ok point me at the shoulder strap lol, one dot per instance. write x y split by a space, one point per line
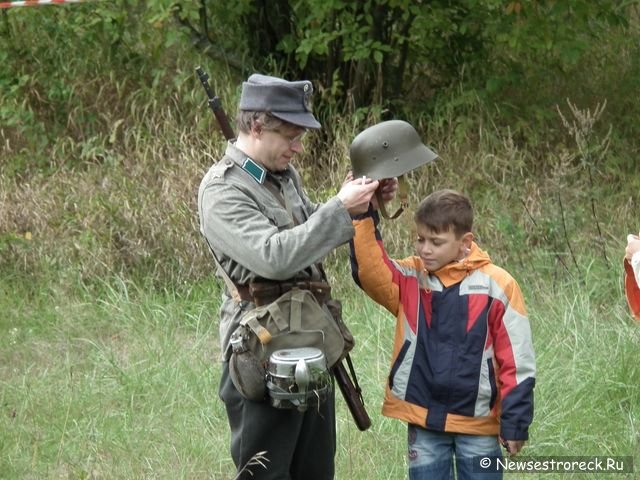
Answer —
233 290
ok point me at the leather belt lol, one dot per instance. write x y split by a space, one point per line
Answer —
243 292
263 293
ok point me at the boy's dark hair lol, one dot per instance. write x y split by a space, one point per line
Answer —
444 210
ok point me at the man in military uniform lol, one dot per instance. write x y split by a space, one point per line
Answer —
261 225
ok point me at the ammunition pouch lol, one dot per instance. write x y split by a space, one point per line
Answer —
287 316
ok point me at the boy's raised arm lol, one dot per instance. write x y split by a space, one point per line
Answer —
371 268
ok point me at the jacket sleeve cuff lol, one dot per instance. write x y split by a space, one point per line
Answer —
370 213
514 433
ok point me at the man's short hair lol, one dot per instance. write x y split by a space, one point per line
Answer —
247 119
445 210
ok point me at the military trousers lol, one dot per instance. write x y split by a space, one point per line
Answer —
298 445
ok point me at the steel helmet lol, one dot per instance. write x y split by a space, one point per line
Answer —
388 149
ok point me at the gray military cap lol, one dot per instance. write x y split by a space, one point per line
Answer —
288 101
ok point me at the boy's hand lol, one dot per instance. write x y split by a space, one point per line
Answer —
388 188
513 447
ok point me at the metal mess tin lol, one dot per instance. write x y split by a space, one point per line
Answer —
298 378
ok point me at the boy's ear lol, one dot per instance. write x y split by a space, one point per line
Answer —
467 239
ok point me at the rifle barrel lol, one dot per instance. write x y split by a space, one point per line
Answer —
352 397
216 105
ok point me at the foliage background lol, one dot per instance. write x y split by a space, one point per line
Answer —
107 302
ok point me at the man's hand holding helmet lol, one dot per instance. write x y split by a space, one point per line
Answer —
356 195
386 152
387 187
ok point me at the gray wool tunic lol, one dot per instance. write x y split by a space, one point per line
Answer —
254 236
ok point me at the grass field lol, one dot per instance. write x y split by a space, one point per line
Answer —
120 382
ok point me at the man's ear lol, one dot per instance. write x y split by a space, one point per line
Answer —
256 129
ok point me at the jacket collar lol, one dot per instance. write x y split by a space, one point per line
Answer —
455 272
249 165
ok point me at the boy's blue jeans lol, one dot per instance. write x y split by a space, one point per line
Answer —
432 455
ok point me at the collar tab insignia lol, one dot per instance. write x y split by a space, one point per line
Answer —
257 172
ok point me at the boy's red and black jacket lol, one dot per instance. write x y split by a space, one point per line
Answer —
463 358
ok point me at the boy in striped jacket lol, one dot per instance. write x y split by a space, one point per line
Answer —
463 365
